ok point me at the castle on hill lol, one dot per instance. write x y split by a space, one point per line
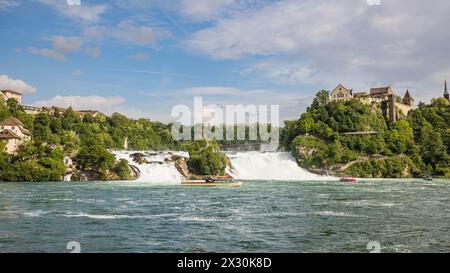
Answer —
393 106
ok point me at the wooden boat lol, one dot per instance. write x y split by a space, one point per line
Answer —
203 183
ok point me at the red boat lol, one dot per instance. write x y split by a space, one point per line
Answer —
349 180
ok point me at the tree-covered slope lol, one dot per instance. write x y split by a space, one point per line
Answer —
414 146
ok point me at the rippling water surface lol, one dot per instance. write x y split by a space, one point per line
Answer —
403 216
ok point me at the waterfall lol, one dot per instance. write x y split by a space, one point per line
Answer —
160 166
268 166
156 166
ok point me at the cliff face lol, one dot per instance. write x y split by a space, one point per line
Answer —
307 158
307 150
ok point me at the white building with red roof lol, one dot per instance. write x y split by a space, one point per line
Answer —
13 133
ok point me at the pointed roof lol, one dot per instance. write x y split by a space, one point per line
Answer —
408 96
343 88
11 91
8 134
11 121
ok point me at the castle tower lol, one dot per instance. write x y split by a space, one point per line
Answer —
446 94
392 112
408 99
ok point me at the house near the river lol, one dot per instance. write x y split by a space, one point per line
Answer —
13 133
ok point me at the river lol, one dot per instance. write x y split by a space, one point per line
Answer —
260 216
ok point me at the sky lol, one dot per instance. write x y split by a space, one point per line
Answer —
143 57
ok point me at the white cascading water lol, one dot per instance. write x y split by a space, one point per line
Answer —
157 169
268 166
245 165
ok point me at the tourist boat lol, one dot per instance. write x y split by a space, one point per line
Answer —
428 178
205 183
349 179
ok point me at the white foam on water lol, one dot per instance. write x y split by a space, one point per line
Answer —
196 219
279 166
333 214
268 166
36 213
114 216
157 170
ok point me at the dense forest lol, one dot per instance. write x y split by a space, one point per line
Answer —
88 140
414 146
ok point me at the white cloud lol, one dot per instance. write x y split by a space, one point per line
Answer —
61 45
8 4
202 11
46 52
283 27
327 42
83 102
282 73
16 85
139 57
66 43
94 52
139 35
129 33
83 12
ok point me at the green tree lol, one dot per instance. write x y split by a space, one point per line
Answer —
205 158
95 157
321 99
41 131
433 150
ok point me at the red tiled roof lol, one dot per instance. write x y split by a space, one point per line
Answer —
11 121
8 134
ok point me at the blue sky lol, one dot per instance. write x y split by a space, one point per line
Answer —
142 57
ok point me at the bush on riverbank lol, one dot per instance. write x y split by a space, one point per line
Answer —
33 162
395 167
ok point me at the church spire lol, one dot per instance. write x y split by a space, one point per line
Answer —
446 94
